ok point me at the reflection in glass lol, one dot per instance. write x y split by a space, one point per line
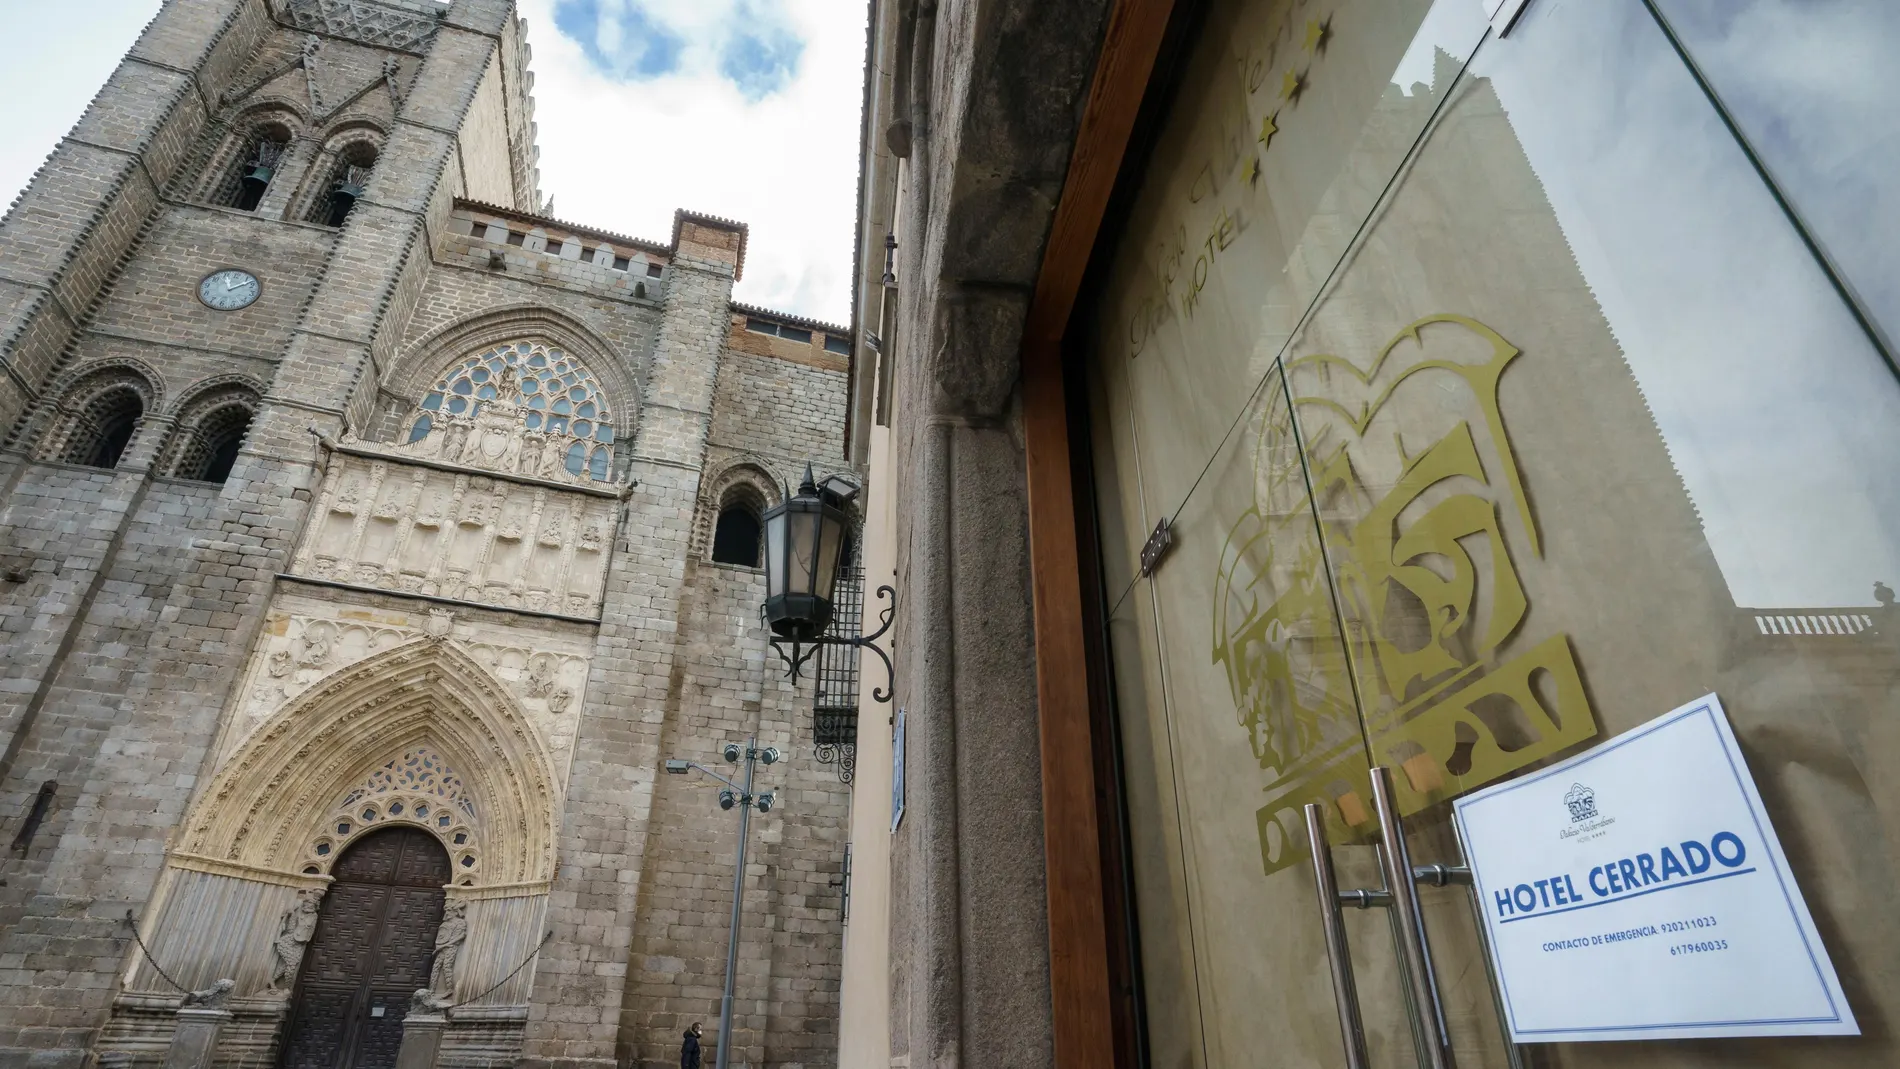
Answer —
1770 397
1509 412
1811 84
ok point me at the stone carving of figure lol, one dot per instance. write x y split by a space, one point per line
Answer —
557 701
299 924
425 1001
540 676
453 435
551 457
510 453
211 998
281 664
448 946
472 446
316 645
508 385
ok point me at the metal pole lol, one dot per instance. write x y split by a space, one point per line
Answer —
1414 956
1338 953
738 897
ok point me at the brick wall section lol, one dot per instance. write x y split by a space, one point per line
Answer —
632 687
775 407
730 686
118 618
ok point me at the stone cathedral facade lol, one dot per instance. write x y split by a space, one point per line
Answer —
367 542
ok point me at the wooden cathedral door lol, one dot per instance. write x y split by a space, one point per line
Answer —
371 951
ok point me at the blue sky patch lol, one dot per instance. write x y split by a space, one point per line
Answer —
759 56
621 38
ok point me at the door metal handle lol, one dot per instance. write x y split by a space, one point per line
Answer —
1338 955
1414 956
1400 895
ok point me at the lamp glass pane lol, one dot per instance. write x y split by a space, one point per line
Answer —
804 533
828 553
775 554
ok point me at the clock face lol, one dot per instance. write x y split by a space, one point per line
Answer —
228 289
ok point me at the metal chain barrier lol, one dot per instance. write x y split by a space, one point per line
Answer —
511 975
132 924
147 951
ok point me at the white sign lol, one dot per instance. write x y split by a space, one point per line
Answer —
1638 891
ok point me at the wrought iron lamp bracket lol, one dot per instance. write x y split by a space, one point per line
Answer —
802 651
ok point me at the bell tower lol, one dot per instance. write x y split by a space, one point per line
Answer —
203 280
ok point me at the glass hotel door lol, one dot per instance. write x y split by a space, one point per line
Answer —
1503 394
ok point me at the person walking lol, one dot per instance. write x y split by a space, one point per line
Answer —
689 1048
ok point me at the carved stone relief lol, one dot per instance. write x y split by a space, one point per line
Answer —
448 530
416 787
496 437
307 640
364 20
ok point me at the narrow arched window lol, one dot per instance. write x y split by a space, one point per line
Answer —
348 178
251 172
210 431
736 534
104 427
212 446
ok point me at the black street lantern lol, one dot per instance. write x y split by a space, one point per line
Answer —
803 538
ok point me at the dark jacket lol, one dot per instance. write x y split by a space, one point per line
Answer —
689 1052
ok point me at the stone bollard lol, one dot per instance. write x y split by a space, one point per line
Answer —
201 1017
421 1040
195 1040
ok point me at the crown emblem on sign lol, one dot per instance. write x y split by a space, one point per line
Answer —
1582 803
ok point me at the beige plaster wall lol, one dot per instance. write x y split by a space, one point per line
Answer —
864 1014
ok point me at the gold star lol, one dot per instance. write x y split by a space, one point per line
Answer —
1317 34
1251 170
1292 86
1267 129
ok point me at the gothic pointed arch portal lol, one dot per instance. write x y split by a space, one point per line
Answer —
419 735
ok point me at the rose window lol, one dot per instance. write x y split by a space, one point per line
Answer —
557 395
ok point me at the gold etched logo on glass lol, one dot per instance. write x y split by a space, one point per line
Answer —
1409 490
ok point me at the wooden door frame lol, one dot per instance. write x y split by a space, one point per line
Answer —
1084 1019
352 1029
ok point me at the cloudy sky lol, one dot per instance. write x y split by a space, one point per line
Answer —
746 109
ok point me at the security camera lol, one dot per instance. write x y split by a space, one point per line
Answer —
765 802
732 753
770 756
727 800
679 768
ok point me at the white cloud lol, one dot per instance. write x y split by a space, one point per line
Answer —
620 155
624 154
